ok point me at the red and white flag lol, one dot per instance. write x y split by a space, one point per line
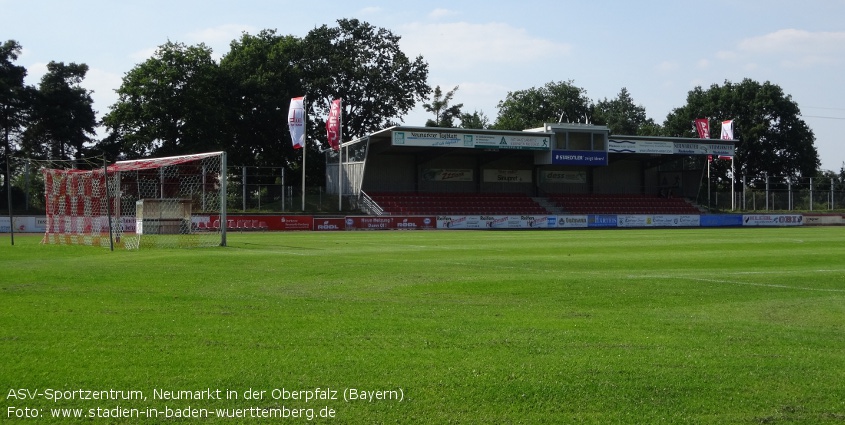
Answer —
333 127
727 130
702 126
296 121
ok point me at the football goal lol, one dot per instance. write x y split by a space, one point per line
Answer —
177 201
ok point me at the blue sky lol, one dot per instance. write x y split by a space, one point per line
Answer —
658 50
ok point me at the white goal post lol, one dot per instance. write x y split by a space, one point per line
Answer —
177 201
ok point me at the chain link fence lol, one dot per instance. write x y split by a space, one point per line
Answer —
769 194
269 190
250 190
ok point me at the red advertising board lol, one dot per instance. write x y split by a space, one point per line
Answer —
391 222
324 224
267 222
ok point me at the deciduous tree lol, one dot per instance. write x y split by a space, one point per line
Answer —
773 139
621 115
554 102
169 104
364 66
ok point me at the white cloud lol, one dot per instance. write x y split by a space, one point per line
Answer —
372 10
666 67
462 45
34 72
726 55
143 55
219 37
441 13
796 48
219 34
103 84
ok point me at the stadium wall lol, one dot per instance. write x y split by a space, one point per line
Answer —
37 224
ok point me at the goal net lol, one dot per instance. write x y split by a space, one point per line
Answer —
177 201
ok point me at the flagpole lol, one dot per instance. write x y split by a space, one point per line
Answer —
708 181
340 158
733 183
304 144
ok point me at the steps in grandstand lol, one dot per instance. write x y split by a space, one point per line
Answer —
549 206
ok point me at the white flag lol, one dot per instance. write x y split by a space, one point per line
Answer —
296 121
727 130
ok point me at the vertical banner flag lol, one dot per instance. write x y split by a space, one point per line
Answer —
333 128
702 126
296 121
727 130
727 134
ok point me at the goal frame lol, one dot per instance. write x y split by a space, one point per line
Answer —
99 207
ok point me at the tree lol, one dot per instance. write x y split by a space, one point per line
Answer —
14 101
168 105
63 120
621 115
444 114
773 139
477 119
262 73
364 66
554 102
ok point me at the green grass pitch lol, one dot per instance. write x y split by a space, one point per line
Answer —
705 326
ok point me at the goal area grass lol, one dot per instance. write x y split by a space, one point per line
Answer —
711 326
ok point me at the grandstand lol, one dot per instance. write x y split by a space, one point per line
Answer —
555 169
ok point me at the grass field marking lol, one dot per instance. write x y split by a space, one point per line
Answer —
734 282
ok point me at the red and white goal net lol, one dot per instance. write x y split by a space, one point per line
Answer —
163 202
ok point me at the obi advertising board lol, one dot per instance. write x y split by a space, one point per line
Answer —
773 220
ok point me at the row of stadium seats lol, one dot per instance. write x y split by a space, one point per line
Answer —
622 204
408 203
405 203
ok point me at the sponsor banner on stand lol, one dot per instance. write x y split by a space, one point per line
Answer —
823 219
510 142
447 139
587 158
447 175
552 176
568 222
641 146
672 220
493 222
25 224
324 224
390 223
717 149
721 220
507 176
465 221
599 220
263 222
631 220
773 220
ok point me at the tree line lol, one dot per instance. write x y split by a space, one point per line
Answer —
181 101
